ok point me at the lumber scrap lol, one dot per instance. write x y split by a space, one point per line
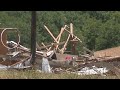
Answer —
52 36
44 46
49 48
61 31
63 49
73 35
59 37
21 61
40 53
50 33
37 46
71 29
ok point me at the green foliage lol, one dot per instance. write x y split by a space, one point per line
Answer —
97 29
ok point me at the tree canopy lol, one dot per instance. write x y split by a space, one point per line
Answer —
97 29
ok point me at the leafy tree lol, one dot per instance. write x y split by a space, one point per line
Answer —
97 29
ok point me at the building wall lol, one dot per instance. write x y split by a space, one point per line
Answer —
3 50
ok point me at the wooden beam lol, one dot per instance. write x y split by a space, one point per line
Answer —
21 61
50 33
49 48
62 30
71 29
37 46
63 49
59 37
44 46
73 35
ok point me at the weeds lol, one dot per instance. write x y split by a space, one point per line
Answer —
32 74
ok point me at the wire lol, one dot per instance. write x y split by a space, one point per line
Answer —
7 46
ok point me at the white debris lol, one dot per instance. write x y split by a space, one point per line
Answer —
21 67
94 70
12 42
45 65
3 67
18 66
14 54
49 53
39 71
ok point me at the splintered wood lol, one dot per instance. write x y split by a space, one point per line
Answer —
71 37
56 53
64 47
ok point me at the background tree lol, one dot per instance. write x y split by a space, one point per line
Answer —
97 29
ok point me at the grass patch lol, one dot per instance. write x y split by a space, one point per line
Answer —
32 74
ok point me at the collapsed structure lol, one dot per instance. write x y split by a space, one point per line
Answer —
15 56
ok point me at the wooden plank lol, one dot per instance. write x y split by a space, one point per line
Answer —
63 49
21 61
73 35
59 37
71 29
50 33
44 46
62 30
50 46
37 46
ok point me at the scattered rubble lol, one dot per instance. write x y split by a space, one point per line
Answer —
52 58
93 70
45 65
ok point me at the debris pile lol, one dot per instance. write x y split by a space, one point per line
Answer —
93 70
53 58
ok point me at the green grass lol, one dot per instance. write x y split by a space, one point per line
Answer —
32 74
